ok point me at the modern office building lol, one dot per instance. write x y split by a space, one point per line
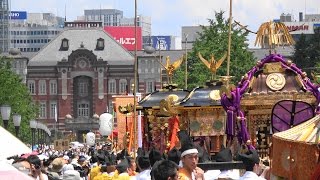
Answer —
108 17
114 17
304 25
142 21
4 25
31 34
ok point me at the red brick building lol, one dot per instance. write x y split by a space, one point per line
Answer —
74 77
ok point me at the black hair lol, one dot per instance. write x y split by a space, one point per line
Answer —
143 162
164 169
35 160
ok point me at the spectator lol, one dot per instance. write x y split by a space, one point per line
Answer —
165 170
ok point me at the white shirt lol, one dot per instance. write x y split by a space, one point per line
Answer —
231 174
144 175
251 175
211 174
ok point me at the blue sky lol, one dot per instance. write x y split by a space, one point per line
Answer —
168 16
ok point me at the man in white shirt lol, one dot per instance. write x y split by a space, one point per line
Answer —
251 161
145 169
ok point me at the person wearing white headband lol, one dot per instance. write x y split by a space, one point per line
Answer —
189 159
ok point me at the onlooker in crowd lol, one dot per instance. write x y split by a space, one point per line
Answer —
165 170
35 168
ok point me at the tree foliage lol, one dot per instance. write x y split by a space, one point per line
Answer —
307 51
214 40
14 93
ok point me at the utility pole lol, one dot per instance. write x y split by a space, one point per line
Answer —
135 83
186 62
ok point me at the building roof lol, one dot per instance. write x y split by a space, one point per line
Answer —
203 96
153 99
113 52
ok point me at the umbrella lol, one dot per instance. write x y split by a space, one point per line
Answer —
7 171
10 145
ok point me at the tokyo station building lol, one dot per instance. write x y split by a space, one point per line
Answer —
74 77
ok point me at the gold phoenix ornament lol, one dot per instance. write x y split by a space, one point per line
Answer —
170 68
212 65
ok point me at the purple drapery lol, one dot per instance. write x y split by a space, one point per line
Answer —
232 105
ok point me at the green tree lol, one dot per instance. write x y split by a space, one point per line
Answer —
214 40
300 54
16 94
307 51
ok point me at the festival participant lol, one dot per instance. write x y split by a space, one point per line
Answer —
174 155
145 168
104 175
122 171
251 161
189 159
132 166
225 155
95 171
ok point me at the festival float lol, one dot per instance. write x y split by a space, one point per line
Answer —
201 112
160 118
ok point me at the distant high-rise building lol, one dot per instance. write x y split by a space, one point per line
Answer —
142 21
4 25
114 17
31 34
109 17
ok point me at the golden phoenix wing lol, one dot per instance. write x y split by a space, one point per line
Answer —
177 63
205 62
218 64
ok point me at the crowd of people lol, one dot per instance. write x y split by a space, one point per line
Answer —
101 162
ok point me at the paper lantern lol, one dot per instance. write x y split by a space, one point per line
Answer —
106 124
90 138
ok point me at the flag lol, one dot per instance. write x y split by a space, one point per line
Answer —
139 130
55 113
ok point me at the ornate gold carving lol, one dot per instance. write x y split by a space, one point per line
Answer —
170 68
167 106
227 87
273 34
215 95
272 68
275 81
126 109
212 65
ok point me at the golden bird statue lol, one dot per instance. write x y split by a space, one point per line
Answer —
212 65
170 68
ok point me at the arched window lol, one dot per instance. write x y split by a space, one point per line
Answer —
122 86
100 44
64 44
112 86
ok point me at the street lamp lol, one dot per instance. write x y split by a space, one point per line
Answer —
33 126
16 121
5 114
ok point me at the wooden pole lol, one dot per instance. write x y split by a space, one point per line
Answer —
135 82
229 40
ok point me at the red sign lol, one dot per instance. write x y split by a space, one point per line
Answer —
125 36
